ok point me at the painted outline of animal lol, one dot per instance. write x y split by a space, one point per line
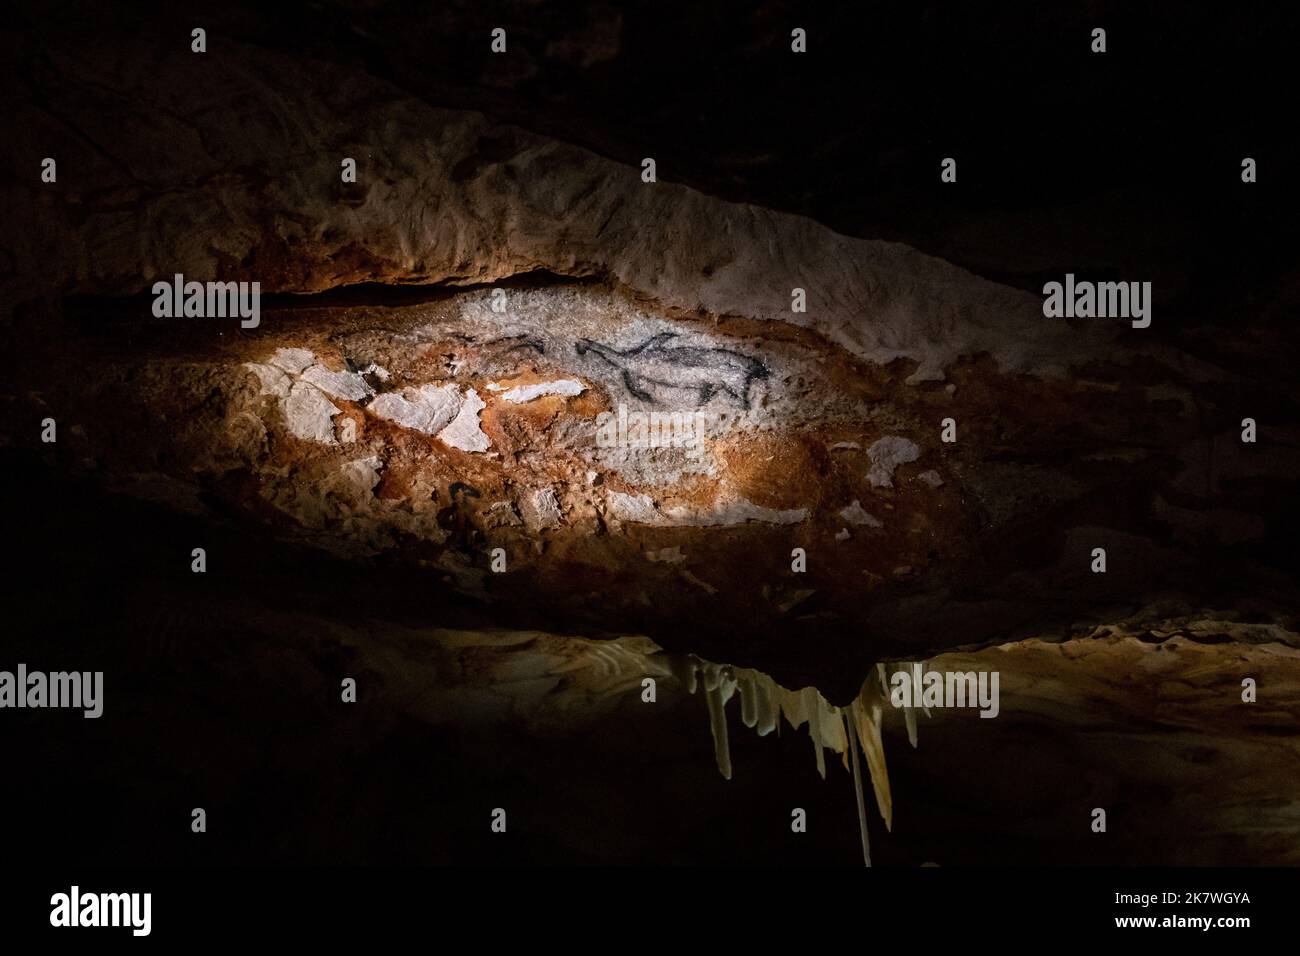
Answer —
705 371
521 342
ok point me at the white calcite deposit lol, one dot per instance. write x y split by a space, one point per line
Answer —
886 455
439 410
465 432
856 514
348 386
725 512
308 414
541 509
527 393
304 387
428 408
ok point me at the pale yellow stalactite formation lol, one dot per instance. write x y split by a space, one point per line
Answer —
718 724
762 699
909 713
857 792
867 711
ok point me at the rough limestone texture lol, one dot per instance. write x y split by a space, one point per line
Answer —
1155 713
660 386
541 510
392 434
442 197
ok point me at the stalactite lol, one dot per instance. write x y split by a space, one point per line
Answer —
909 718
767 706
748 698
909 713
813 708
791 706
845 730
852 733
718 725
867 711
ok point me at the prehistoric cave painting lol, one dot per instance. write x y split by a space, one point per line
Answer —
654 365
515 343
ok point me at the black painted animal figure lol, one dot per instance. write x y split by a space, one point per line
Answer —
657 364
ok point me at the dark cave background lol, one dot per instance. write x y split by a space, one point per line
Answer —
1125 164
